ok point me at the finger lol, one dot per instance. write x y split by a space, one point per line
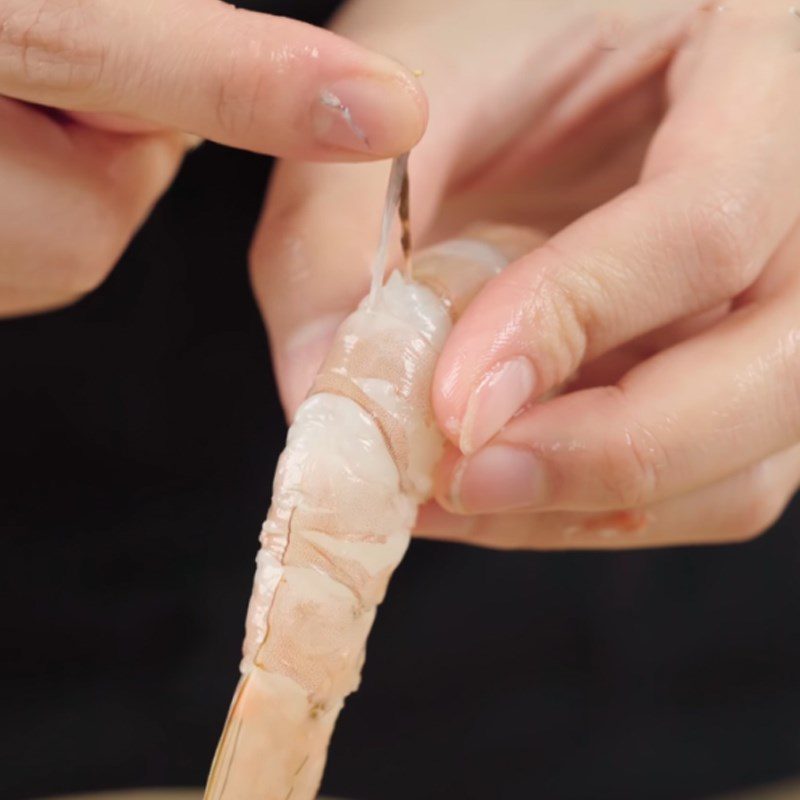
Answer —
311 255
311 267
242 78
70 200
713 205
735 509
685 418
115 123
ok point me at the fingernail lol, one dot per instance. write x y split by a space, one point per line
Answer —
379 116
498 478
501 394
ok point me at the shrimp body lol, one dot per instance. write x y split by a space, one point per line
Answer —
358 462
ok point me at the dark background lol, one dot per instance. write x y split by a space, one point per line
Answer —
138 433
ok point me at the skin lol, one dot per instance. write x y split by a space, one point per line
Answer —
99 101
653 395
634 381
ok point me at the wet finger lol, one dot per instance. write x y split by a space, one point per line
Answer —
689 416
735 509
713 205
311 258
251 80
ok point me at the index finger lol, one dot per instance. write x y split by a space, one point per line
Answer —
242 78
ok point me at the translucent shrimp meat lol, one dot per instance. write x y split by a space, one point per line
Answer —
358 461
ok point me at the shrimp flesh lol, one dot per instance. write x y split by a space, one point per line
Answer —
358 461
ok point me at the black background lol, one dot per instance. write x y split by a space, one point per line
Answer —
139 431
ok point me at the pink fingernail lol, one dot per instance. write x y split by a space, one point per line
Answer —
334 123
367 115
504 391
498 478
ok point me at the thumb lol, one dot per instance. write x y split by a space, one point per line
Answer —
242 78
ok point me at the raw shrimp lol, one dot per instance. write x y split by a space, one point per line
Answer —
358 461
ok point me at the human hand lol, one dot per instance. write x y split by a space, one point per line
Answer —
100 100
659 143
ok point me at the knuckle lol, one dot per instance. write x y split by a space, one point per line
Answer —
632 461
557 308
82 277
80 272
277 243
64 276
285 216
85 258
48 42
721 231
239 92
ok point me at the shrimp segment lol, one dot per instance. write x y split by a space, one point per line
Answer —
358 461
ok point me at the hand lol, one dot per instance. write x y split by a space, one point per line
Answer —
98 99
659 145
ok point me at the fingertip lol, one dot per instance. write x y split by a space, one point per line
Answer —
500 477
279 86
499 395
378 114
484 375
482 381
466 370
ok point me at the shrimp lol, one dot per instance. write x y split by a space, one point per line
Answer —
358 461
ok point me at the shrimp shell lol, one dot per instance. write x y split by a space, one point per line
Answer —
358 462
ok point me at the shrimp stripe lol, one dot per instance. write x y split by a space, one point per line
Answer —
358 461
